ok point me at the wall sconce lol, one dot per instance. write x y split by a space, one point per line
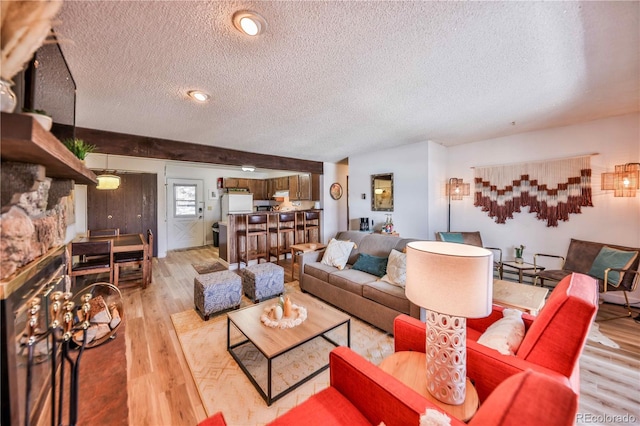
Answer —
624 181
456 189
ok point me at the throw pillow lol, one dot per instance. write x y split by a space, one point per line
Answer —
433 417
396 269
337 253
452 237
612 258
373 265
506 334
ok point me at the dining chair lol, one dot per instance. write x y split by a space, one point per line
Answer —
94 257
107 232
138 264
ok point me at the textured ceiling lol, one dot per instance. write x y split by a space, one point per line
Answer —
329 79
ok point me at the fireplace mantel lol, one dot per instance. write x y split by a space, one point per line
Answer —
25 141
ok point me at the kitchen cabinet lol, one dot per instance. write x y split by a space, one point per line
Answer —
231 182
132 207
300 187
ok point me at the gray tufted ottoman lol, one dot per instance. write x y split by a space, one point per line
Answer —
216 292
262 281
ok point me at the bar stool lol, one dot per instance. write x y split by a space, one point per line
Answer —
286 224
310 221
255 226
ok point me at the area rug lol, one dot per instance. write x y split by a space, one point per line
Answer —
224 387
208 267
595 335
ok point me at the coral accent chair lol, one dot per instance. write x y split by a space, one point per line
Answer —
552 343
362 394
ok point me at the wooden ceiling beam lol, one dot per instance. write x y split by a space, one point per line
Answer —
164 149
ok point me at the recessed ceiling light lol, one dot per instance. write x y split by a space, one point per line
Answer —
248 168
198 95
249 23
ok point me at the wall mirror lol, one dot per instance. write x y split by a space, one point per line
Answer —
382 192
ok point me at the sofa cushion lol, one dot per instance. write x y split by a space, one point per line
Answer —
396 269
350 280
337 253
356 237
615 259
378 244
387 294
373 265
319 270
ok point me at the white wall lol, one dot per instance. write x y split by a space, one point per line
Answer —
335 211
611 220
410 166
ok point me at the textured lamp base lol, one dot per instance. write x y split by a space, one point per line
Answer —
446 357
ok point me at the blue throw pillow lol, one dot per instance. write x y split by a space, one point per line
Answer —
373 265
452 237
612 258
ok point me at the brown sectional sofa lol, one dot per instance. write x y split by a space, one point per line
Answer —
356 292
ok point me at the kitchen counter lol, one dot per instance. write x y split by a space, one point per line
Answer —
236 223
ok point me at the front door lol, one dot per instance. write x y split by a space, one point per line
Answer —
185 214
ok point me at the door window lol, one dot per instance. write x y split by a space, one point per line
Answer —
184 197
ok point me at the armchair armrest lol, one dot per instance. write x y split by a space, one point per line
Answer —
535 260
487 368
634 283
377 395
409 334
497 262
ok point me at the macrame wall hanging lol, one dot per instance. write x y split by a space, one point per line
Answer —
551 189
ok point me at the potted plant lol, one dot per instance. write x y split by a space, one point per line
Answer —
519 251
41 116
79 147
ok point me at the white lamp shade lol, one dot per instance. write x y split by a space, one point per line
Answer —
108 182
450 278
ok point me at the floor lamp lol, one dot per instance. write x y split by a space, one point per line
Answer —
456 189
452 282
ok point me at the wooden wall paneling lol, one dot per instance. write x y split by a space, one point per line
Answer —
315 187
150 207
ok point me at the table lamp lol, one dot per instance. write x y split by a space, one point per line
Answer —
452 282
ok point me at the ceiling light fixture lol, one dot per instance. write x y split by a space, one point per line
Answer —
198 95
106 180
248 168
249 23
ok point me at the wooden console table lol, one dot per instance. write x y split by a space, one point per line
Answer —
410 368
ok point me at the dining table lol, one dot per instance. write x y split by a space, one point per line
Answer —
124 243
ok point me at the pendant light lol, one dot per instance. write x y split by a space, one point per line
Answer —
108 181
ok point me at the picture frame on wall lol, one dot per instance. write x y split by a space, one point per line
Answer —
335 191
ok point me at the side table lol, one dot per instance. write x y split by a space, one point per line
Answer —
303 248
521 267
410 368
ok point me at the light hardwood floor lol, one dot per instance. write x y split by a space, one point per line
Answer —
162 392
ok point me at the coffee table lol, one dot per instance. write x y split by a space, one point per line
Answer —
274 343
526 297
411 369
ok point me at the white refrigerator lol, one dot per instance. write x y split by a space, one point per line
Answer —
236 203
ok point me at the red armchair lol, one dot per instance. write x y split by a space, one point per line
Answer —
362 394
552 343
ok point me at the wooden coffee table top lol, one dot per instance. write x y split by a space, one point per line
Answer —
274 341
411 369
